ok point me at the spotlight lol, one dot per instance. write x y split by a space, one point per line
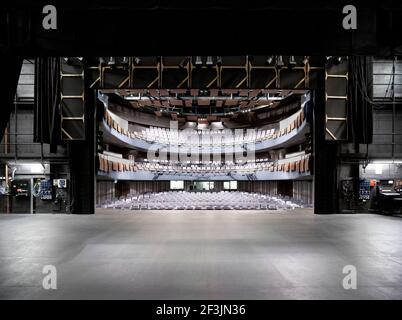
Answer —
73 60
111 61
137 61
337 60
209 61
305 60
279 62
269 60
198 61
334 60
292 62
124 63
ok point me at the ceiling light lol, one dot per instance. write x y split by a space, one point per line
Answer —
387 161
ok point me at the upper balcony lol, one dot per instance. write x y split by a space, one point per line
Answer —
288 132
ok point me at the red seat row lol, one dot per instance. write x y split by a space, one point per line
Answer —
300 166
114 125
295 124
106 165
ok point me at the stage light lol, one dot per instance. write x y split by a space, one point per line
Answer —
125 60
111 61
269 60
279 62
219 60
102 61
73 60
292 62
305 60
183 64
137 61
337 60
209 61
198 61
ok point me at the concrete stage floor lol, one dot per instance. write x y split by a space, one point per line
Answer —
200 255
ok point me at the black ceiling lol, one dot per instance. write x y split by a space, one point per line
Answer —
206 27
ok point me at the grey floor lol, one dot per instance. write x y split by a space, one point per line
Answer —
200 255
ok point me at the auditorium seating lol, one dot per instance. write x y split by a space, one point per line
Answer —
205 137
223 200
109 164
206 167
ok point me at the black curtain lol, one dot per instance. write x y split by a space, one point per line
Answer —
360 102
47 100
11 70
